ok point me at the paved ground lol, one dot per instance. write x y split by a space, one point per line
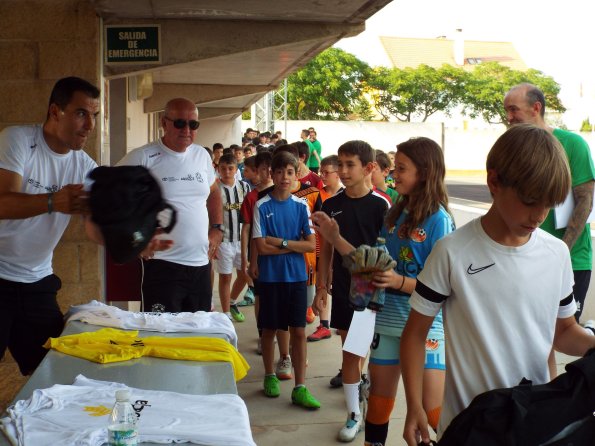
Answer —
276 422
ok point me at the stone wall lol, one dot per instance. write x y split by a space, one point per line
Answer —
41 42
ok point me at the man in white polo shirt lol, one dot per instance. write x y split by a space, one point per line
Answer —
179 279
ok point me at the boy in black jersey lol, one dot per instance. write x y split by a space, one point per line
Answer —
359 212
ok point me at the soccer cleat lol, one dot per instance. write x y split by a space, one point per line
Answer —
337 381
310 316
236 314
248 299
589 326
271 386
283 369
353 426
320 333
301 396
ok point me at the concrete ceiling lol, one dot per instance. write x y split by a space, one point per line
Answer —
225 55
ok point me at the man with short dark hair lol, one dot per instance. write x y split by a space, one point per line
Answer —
42 170
179 279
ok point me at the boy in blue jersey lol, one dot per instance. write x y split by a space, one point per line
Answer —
282 234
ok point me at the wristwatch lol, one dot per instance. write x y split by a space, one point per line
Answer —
218 226
283 244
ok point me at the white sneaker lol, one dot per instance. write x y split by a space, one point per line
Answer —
283 369
589 326
353 426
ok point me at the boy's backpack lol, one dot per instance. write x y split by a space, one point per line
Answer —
559 413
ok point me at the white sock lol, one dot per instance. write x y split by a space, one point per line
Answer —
590 331
351 392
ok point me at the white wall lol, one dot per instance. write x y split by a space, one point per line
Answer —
137 125
224 131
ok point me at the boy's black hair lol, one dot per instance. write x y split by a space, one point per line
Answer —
65 88
228 158
303 149
362 149
234 146
290 148
250 162
217 145
227 151
265 157
283 159
261 148
382 160
280 142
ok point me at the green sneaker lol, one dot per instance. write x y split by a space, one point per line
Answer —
271 386
236 314
302 397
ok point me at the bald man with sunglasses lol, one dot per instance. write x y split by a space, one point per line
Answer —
179 279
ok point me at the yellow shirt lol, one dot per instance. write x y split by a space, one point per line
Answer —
112 345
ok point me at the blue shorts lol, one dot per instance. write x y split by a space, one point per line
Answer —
282 305
385 351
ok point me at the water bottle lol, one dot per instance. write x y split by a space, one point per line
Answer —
376 302
122 430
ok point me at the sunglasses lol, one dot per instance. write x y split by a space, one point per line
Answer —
182 123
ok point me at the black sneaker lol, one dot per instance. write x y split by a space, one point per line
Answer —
337 381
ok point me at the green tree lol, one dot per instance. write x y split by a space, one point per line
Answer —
489 82
329 87
416 92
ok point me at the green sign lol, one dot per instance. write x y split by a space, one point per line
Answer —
132 44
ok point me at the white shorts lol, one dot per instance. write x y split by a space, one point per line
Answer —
228 257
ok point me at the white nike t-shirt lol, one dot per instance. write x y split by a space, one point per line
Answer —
500 305
27 245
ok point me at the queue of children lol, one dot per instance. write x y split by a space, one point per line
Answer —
499 278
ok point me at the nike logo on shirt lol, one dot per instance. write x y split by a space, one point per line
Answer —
333 213
471 270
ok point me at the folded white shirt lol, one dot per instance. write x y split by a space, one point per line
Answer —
78 415
98 313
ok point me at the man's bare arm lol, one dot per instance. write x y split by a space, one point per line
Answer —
14 205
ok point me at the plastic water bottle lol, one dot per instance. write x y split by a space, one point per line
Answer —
122 429
376 302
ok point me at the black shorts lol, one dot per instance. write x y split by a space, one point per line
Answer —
341 312
582 279
172 288
282 305
29 315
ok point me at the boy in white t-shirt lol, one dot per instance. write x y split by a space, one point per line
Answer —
505 286
229 255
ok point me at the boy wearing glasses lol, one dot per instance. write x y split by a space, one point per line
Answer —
179 279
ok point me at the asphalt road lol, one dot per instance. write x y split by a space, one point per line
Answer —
472 192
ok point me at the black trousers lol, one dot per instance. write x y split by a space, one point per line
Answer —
29 315
173 288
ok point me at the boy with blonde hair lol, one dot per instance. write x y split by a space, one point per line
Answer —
505 286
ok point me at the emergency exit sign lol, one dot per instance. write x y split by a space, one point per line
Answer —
132 44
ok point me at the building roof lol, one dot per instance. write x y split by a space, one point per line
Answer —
410 52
